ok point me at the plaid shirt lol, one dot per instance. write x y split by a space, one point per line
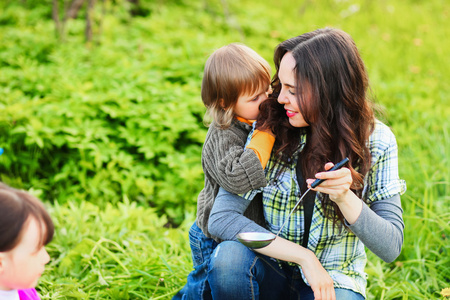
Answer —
340 252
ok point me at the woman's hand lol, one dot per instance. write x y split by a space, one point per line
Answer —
337 184
318 278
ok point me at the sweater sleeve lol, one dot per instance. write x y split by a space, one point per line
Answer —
262 143
230 166
226 219
380 228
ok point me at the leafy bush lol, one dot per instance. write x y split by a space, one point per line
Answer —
100 125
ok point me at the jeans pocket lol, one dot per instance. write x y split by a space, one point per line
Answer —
196 250
201 245
195 241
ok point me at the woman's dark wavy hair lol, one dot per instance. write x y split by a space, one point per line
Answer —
330 69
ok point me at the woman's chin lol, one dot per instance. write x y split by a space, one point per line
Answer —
298 124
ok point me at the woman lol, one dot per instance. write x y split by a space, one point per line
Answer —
320 114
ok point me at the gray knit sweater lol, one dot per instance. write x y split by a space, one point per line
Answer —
226 164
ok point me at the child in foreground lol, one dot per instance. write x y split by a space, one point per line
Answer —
25 228
236 81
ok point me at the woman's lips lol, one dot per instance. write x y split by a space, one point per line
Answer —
290 113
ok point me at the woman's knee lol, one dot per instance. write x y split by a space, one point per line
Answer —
230 273
230 256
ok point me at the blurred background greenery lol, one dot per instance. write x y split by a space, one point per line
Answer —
101 117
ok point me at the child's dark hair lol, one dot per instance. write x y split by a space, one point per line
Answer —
16 209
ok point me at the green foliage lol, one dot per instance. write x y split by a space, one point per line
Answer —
121 252
99 125
105 130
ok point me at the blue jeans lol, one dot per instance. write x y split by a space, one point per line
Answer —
236 272
197 286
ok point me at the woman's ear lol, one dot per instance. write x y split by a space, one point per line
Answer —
222 103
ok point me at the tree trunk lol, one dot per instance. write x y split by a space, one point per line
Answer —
73 10
55 17
89 13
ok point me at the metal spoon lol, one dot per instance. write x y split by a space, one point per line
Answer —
255 240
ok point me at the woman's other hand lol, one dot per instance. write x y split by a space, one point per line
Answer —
318 278
337 186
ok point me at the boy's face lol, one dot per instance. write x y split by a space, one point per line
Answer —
21 267
247 106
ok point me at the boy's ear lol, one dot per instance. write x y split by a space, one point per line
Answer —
222 103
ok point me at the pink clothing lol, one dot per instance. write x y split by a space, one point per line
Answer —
28 294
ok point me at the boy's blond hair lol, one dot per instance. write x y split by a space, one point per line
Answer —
232 71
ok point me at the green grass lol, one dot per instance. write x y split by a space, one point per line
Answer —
120 252
124 250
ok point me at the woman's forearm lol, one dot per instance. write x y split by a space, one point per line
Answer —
380 227
351 208
317 277
286 250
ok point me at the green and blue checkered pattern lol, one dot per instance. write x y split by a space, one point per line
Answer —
341 253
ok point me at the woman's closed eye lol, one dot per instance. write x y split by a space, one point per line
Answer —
289 88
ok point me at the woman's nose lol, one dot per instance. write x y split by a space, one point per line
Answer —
282 99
